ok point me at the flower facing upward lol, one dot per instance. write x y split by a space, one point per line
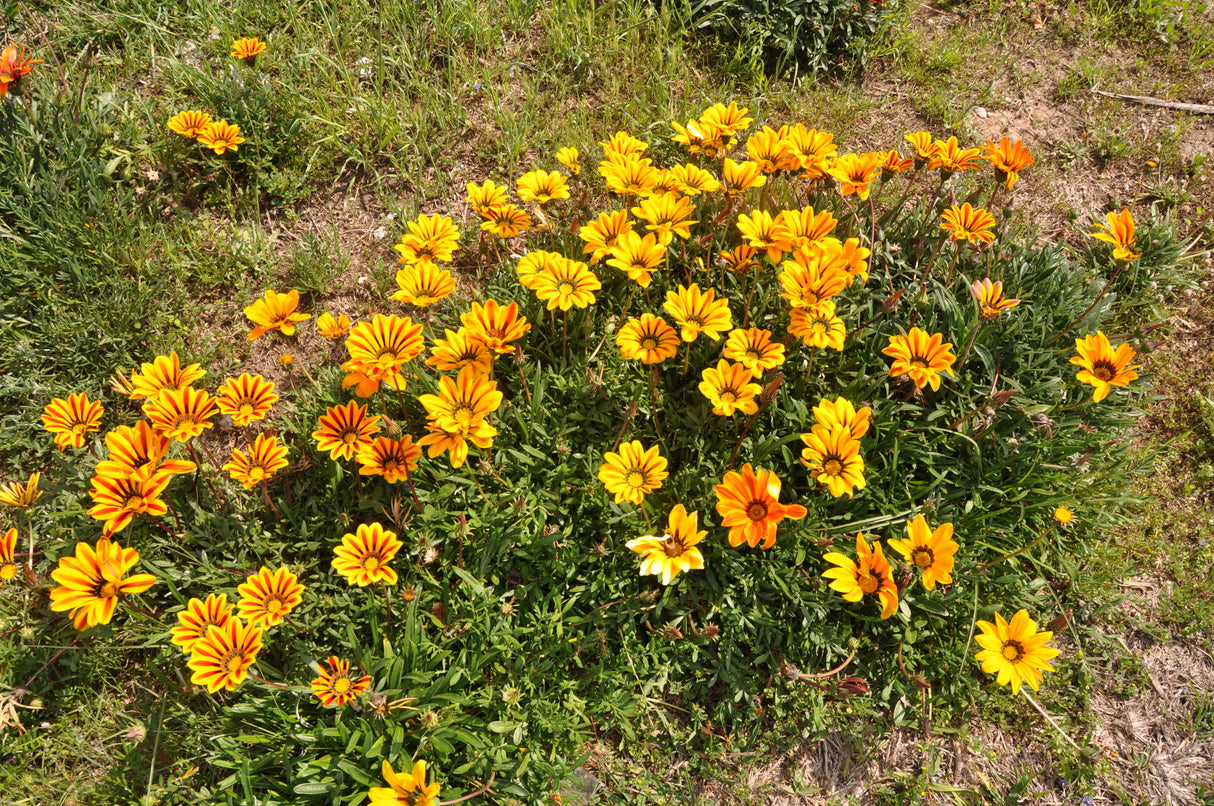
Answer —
666 216
855 172
818 326
633 472
332 329
637 256
1120 233
405 789
248 48
991 302
749 506
378 349
729 388
462 402
117 499
458 350
693 180
1064 516
335 686
455 443
542 186
968 223
344 430
1008 158
1102 366
815 149
266 457
189 123
649 340
674 552
221 659
844 414
69 420
1015 651
268 596
920 356
275 312
19 495
531 265
932 552
181 414
809 226
91 583
423 284
286 359
8 558
762 231
498 326
632 177
568 284
164 372
754 350
430 238
872 575
602 234
197 616
812 276
486 196
832 455
740 177
139 450
950 157
771 151
505 220
568 157
394 459
726 119
695 312
246 398
13 65
220 136
363 557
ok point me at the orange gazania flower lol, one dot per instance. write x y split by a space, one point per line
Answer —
872 575
378 349
649 340
246 398
13 65
1102 366
197 616
1008 158
991 302
118 499
221 658
268 596
496 325
486 196
602 234
394 459
189 123
266 457
809 280
69 420
771 151
344 430
741 176
695 312
749 506
220 136
950 157
275 312
461 349
740 259
843 414
335 686
91 582
855 172
139 450
181 414
967 223
893 163
692 180
165 372
332 329
1120 233
763 231
248 48
730 389
814 148
633 176
363 557
920 356
633 472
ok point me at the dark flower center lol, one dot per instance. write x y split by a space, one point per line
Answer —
635 479
923 557
1012 651
756 511
832 467
1104 371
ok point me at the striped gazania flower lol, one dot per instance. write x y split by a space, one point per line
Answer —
335 686
116 500
268 596
197 617
246 398
181 414
91 582
221 659
363 557
69 420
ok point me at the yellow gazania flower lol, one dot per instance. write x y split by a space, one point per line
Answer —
197 616
920 356
893 163
1120 233
8 556
991 302
749 506
569 283
164 372
568 157
1102 366
832 455
637 256
117 499
1064 515
405 789
363 557
335 686
189 123
1015 651
430 238
221 659
667 216
344 430
729 120
665 185
603 233
754 350
1008 158
69 420
275 312
932 552
461 348
843 414
378 349
771 151
697 313
542 186
967 223
740 177
729 388
248 48
14 65
740 259
763 231
462 402
692 136
649 340
534 263
220 136
692 180
807 226
633 472
809 280
506 220
950 157
267 597
818 326
674 552
181 414
139 450
814 149
423 284
19 495
266 457
622 146
498 326
633 177
394 459
91 582
246 398
332 329
455 443
485 197
871 575
855 172
926 147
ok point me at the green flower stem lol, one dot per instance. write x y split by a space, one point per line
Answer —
1050 719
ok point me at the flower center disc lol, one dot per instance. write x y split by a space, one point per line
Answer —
349 437
868 583
1012 651
231 663
923 557
1103 373
274 605
635 479
756 511
341 685
649 343
371 563
832 467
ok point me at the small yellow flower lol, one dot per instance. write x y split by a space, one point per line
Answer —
248 49
330 328
220 136
568 157
189 123
1064 515
1120 233
286 359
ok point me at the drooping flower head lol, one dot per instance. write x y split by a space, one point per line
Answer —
248 49
335 686
726 119
16 494
497 325
932 552
344 430
363 557
394 459
695 312
920 356
8 556
268 596
275 312
833 457
423 284
266 457
181 414
91 582
967 223
754 350
749 505
1120 233
925 147
405 789
1102 366
1015 651
220 136
189 123
164 372
991 302
622 146
633 473
649 340
740 259
672 553
870 574
221 659
197 616
730 389
117 499
69 420
1008 158
246 398
14 65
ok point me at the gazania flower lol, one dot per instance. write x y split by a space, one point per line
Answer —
266 457
378 349
1120 233
932 552
818 326
740 259
664 185
692 180
991 302
461 348
729 388
220 136
698 138
697 313
463 402
19 495
335 686
181 414
968 223
1064 516
139 450
674 552
69 420
813 148
363 557
332 329
740 177
925 147
8 556
268 596
542 186
246 398
91 583
486 196
855 172
754 350
1102 366
666 216
14 65
622 146
807 226
1008 158
405 789
506 220
603 233
633 472
649 340
534 263
189 123
165 372
632 177
430 238
809 281
423 284
221 658
771 151
849 254
920 356
950 157
248 48
872 575
832 455
729 120
116 500
496 325
344 430
1015 651
749 506
568 157
197 616
568 284
275 312
455 443
893 163
637 256
394 459
762 231
843 414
